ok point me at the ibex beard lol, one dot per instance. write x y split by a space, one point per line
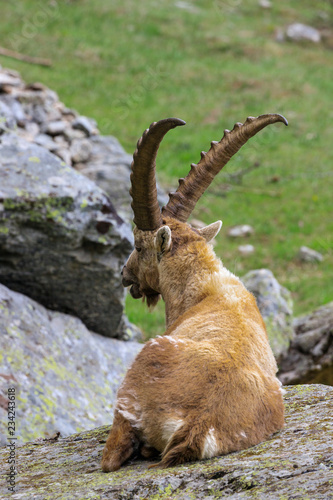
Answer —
208 386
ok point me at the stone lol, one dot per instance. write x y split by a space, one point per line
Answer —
86 124
56 127
240 231
15 108
9 80
29 131
80 150
65 376
246 249
276 307
309 358
301 32
294 463
71 134
265 4
45 141
306 254
61 240
7 119
64 154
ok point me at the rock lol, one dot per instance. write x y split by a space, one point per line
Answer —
306 254
265 4
66 377
102 159
301 32
80 150
45 141
7 120
64 154
61 241
276 307
240 231
246 249
87 125
71 134
29 132
9 80
295 463
15 107
56 127
309 358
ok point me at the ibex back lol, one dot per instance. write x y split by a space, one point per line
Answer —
208 386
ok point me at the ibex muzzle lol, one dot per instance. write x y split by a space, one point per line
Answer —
208 386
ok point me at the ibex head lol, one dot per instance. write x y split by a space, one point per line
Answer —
158 233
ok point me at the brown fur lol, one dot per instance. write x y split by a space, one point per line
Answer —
208 386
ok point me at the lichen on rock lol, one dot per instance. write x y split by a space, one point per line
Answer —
296 462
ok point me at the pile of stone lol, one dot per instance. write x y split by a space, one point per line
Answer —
35 113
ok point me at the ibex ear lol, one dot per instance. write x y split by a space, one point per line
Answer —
209 232
162 241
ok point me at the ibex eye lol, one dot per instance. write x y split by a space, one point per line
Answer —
138 249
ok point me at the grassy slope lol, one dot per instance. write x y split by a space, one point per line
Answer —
127 63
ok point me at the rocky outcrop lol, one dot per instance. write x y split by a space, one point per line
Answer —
61 241
276 307
65 376
35 113
295 463
309 358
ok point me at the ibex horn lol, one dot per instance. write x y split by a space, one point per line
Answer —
147 213
183 201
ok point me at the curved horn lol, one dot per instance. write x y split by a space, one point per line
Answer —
183 201
147 213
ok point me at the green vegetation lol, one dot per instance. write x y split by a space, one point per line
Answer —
211 63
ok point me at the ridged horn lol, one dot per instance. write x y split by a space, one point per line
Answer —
183 201
147 213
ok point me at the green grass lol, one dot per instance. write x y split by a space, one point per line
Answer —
129 63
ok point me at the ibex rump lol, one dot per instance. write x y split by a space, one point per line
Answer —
208 386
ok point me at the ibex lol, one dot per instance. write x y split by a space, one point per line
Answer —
208 386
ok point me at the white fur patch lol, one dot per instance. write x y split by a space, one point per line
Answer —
170 427
124 407
283 391
242 434
210 447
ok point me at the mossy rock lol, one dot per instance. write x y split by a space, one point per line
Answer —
295 463
61 240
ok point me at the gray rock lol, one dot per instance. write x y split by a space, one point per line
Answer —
306 254
70 134
80 150
300 32
64 154
87 125
7 119
9 80
15 107
56 127
309 358
276 307
295 463
61 241
240 231
265 4
29 132
45 141
246 249
66 377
